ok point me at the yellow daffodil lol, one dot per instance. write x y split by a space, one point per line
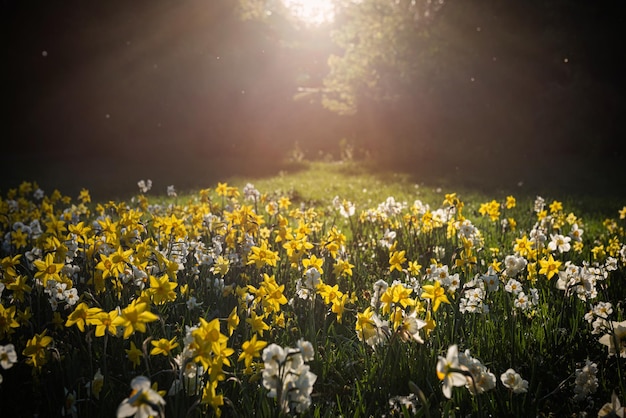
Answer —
436 294
261 256
549 267
162 290
82 315
396 259
7 320
233 321
134 318
36 350
104 323
210 397
163 346
134 354
47 269
251 350
257 324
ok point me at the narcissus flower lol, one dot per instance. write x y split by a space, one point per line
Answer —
134 354
96 384
47 269
513 381
233 321
262 255
256 323
8 356
448 371
436 294
143 401
612 409
82 315
134 318
549 267
36 350
396 259
7 320
104 323
251 349
163 346
210 397
616 339
162 290
370 328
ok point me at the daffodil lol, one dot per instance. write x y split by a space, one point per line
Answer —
414 268
510 202
19 287
7 320
82 315
329 293
104 323
210 397
339 305
396 259
614 408
314 262
256 323
251 349
208 342
549 267
436 294
96 384
513 381
410 326
233 321
143 401
616 339
134 354
396 294
8 356
134 318
221 266
262 255
270 294
162 289
47 269
8 265
163 346
36 350
370 328
343 267
448 371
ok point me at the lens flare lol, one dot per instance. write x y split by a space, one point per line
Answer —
312 12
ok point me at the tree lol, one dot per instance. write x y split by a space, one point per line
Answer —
384 44
379 46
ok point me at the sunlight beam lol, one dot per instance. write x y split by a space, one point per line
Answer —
312 12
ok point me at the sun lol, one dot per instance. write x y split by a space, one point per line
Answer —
312 12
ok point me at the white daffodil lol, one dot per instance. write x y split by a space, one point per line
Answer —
143 402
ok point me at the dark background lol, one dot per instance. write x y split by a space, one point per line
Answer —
185 93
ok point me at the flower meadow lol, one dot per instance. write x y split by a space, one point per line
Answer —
239 302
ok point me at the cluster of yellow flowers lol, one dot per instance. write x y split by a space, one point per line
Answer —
198 282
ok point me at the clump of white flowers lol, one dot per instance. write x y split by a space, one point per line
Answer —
514 382
482 379
586 381
287 377
144 185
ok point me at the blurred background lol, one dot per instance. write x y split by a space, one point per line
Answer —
488 93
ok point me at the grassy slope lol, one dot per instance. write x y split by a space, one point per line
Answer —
317 183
